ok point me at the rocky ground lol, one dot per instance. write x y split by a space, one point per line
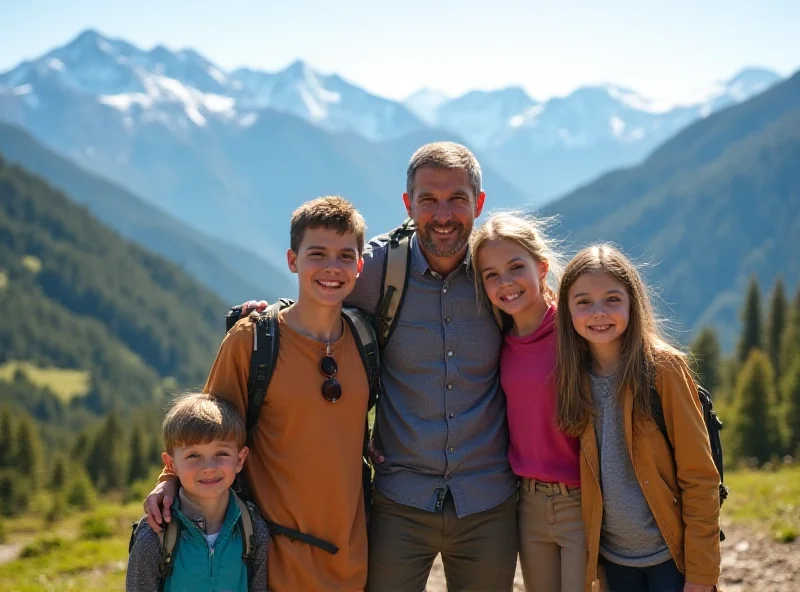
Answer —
751 562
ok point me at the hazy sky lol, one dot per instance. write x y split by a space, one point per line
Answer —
396 47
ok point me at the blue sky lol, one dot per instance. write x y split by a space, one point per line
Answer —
666 51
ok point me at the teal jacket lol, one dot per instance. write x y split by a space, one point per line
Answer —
196 566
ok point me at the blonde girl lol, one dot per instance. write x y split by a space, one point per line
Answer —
512 260
652 516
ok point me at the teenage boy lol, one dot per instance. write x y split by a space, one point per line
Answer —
305 465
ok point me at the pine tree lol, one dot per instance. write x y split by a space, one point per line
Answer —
138 465
751 320
7 444
776 324
790 340
755 430
706 352
28 459
104 463
790 395
58 476
80 450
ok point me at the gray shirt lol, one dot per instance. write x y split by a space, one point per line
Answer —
630 535
441 423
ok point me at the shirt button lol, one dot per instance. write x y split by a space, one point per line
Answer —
450 415
450 386
444 290
450 354
447 319
451 449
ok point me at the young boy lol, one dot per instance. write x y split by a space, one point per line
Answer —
305 466
204 439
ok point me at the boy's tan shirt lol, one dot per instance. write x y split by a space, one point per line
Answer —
304 466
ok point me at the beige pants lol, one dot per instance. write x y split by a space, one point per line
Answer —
552 541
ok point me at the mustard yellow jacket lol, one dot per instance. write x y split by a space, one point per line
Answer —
682 491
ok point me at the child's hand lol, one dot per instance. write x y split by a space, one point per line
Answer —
690 587
253 305
375 455
163 495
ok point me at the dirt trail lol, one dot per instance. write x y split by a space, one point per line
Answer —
751 562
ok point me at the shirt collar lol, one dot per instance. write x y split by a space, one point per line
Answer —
421 263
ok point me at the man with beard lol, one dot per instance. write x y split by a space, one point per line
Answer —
444 484
442 479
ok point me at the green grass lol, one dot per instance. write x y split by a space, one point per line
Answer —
766 500
66 384
65 556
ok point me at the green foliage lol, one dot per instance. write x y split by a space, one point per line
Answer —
58 475
706 353
138 466
15 492
755 430
105 462
751 319
42 546
79 491
776 324
790 346
3 535
28 459
58 509
96 527
98 303
7 444
790 403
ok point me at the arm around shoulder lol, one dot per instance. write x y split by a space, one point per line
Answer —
143 561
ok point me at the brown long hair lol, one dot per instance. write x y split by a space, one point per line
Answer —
529 233
644 346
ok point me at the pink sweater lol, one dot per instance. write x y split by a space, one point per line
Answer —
538 450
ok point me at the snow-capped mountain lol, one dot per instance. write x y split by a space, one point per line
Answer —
108 104
182 88
424 102
325 100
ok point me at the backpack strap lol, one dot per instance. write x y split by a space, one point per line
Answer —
367 343
395 279
245 524
263 358
168 537
657 409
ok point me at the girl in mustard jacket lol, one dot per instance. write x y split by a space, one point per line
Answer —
651 515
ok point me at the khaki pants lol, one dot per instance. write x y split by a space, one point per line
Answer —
479 551
552 540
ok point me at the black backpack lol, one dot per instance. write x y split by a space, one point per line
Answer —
713 427
262 364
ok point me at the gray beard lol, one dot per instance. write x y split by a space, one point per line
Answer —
433 248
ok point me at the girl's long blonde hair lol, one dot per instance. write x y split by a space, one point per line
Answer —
529 233
644 346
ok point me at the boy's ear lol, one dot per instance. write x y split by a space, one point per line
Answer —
242 457
169 462
291 260
360 265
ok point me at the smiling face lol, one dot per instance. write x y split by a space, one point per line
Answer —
206 471
443 206
512 277
600 308
327 264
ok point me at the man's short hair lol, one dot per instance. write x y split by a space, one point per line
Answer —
198 418
444 155
330 211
